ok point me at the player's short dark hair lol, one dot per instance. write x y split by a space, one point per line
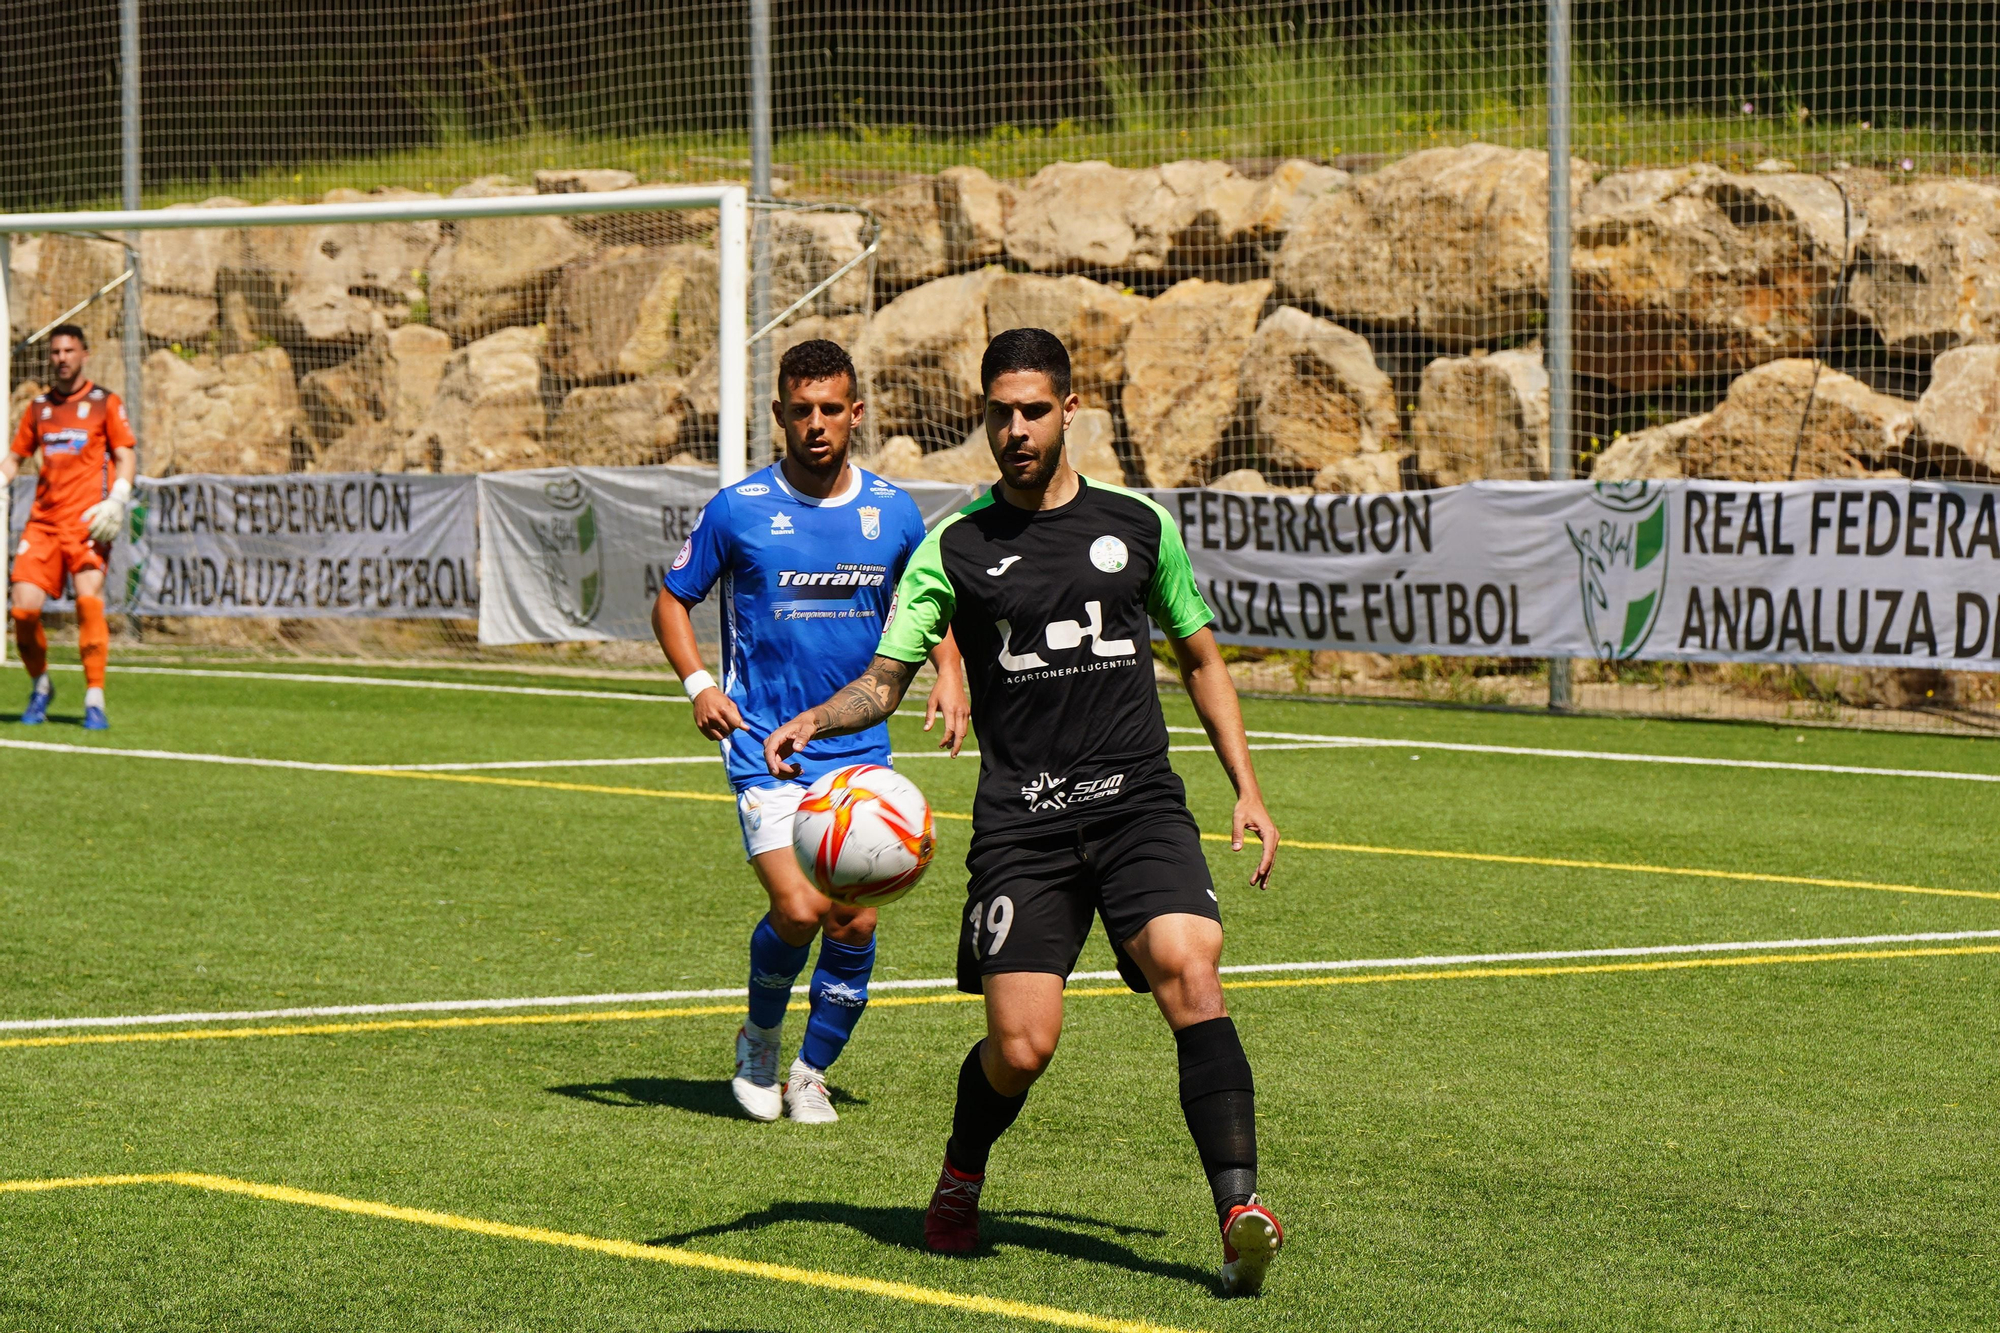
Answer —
1026 349
70 331
817 359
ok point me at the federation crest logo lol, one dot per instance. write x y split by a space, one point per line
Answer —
871 521
571 556
1622 566
1108 554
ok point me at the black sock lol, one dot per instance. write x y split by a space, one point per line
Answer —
1219 1099
981 1117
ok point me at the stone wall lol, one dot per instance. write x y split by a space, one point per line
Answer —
1281 324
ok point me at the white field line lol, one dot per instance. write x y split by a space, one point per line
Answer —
1612 756
1316 740
940 983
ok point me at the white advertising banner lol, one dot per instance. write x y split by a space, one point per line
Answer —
1868 573
338 544
578 552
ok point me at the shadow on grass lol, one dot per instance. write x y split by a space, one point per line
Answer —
1066 1235
701 1096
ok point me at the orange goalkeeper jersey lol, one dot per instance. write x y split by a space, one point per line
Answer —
76 435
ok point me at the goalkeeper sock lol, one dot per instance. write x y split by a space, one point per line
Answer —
1219 1099
93 640
980 1118
839 994
33 644
774 966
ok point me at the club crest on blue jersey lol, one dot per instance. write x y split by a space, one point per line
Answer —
871 521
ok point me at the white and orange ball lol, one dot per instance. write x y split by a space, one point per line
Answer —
863 834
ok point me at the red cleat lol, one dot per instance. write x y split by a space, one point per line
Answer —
1251 1238
951 1224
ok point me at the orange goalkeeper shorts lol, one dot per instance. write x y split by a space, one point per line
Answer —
50 551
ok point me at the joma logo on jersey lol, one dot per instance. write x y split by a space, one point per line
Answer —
1063 635
1045 793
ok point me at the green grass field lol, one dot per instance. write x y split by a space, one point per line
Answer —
1782 1138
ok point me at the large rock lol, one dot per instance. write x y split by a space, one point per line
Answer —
359 413
487 415
1483 418
1927 272
621 425
1451 243
52 273
595 310
1238 219
1079 217
583 180
967 464
1091 448
496 272
912 249
1361 474
1957 428
1696 272
181 271
972 211
675 324
238 414
1093 319
806 248
899 456
920 355
1653 454
1183 370
354 279
1764 423
1316 395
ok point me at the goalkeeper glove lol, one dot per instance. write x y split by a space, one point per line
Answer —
108 515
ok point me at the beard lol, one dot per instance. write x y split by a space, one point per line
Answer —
1040 471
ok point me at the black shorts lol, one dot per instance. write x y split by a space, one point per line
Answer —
1029 902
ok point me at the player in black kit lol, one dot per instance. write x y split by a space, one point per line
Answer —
1048 583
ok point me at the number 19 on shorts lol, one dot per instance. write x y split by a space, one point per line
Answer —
996 919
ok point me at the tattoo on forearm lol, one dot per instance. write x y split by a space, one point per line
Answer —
864 702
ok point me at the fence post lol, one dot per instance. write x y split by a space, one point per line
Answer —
760 230
128 152
1560 324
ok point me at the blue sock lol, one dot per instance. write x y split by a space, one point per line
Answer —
774 966
839 994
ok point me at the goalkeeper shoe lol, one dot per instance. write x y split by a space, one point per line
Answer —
1251 1238
805 1096
37 711
756 1082
94 719
951 1223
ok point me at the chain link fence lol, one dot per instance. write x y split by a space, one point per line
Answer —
1294 246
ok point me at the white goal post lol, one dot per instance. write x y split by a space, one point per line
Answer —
732 202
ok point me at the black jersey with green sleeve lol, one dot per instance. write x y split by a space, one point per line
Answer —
1051 611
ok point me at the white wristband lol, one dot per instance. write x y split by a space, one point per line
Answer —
696 683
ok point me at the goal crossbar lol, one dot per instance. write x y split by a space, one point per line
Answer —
732 203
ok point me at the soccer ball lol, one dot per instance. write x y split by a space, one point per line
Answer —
863 834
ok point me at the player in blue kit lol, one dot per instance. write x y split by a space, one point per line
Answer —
808 552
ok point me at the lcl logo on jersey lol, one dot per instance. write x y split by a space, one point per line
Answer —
1063 635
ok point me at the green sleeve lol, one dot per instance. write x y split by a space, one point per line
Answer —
923 606
1174 601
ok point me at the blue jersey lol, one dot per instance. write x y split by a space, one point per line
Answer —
807 587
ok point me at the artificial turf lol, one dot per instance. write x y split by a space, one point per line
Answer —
1781 1144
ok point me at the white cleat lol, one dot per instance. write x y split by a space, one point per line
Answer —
756 1082
1250 1240
805 1096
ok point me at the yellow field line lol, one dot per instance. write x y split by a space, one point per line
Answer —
623 1249
1623 866
954 997
1351 847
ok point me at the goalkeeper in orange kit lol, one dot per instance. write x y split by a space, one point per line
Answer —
89 457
